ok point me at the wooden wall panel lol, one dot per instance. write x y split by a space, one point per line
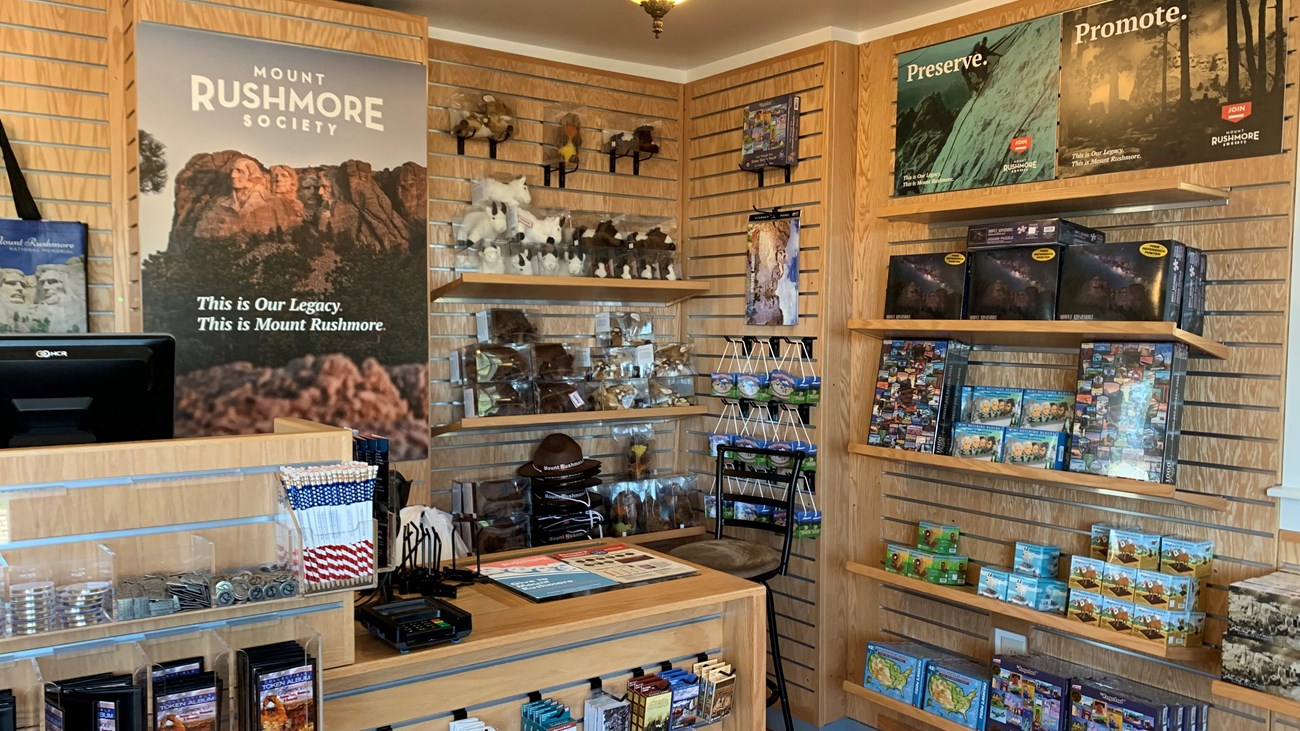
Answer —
1232 438
718 200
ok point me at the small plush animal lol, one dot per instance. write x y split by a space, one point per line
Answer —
647 272
576 263
602 268
627 271
622 143
645 140
550 264
568 138
490 118
483 224
548 230
522 263
490 260
513 193
672 273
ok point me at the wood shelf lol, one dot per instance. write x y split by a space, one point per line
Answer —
1064 197
1074 480
894 705
542 421
1037 333
966 596
676 534
521 287
1277 704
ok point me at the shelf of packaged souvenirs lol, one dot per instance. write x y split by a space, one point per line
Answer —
966 596
524 287
1052 199
1118 486
897 707
544 421
1037 333
1223 690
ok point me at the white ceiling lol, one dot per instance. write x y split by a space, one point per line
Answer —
697 32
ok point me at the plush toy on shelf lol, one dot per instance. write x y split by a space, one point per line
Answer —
549 230
568 139
491 261
483 224
489 118
549 263
512 193
522 263
640 141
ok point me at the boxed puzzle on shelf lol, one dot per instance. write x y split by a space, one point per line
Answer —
926 287
918 392
1128 281
958 691
897 669
1031 692
1086 573
1128 409
1046 410
995 406
1034 232
1014 283
770 133
1034 449
980 442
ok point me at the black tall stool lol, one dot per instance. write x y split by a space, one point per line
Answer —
747 559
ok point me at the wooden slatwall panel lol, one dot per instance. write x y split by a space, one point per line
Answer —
536 84
1233 418
54 99
719 200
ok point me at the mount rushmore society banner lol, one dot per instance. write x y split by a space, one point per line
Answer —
283 233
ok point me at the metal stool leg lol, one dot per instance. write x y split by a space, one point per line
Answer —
774 638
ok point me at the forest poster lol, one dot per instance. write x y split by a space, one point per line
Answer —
1147 85
283 232
978 111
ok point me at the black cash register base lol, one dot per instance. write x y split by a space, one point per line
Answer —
414 623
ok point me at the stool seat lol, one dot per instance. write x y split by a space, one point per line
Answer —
742 559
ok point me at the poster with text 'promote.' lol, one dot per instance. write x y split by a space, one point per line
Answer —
978 111
1147 85
283 233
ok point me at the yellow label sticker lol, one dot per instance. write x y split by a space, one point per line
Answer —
955 259
1044 254
1153 250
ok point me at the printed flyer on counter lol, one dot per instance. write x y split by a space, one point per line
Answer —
582 571
625 564
1146 86
978 111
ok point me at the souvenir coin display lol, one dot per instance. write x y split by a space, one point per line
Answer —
32 608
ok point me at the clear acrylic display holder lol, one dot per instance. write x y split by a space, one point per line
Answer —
23 679
47 569
239 637
120 658
217 657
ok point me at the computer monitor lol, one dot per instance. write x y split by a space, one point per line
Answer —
83 389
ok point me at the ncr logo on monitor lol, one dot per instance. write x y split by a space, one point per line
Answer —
51 354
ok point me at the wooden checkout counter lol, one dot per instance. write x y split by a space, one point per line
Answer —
556 647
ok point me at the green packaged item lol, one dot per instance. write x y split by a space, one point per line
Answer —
937 538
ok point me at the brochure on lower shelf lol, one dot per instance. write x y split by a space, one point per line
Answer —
583 571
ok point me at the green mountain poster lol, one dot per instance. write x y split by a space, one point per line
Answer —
978 111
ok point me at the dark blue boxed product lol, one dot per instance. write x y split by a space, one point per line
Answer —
1029 692
1128 282
918 394
1192 318
926 287
1014 283
1032 232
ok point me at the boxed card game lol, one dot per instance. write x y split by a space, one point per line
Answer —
1029 693
1044 450
1136 548
1186 557
896 669
1130 281
1116 615
1046 410
1085 607
897 558
1014 283
918 387
977 441
937 537
1034 559
995 406
1086 573
1118 581
1165 591
1032 233
957 690
993 583
1260 665
1127 412
926 287
1192 317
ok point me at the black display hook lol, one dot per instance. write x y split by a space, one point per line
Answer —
561 168
760 172
492 145
637 159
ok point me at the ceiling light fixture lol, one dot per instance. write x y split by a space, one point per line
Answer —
657 9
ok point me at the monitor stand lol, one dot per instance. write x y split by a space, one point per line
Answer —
46 422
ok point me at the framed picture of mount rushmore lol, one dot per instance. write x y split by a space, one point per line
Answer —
283 233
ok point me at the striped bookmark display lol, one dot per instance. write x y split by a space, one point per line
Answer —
333 504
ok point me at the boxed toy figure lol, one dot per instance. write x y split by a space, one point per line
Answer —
993 583
1044 595
957 690
897 558
918 388
1116 615
1046 410
1192 318
896 669
947 570
1186 629
1118 581
1131 281
995 406
1028 693
1127 410
1033 559
1149 624
1086 573
926 287
1138 549
1165 591
1100 545
1014 283
1032 233
1044 450
937 537
1052 596
1085 607
918 565
1186 557
977 441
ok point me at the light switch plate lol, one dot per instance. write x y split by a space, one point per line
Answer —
1009 643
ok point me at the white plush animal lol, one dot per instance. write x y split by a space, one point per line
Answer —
545 231
627 271
602 269
522 263
647 272
576 263
514 193
490 261
550 264
672 274
483 224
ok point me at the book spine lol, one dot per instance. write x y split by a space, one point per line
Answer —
1174 413
954 378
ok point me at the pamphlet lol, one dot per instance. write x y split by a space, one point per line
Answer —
544 577
625 564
